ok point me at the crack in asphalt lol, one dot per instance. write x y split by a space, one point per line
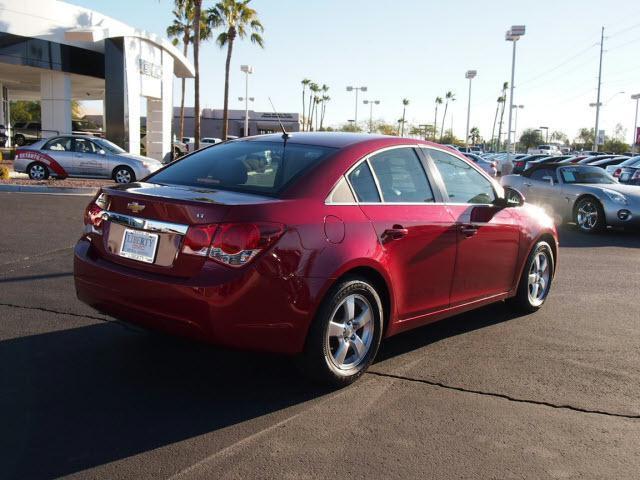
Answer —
71 314
38 258
505 396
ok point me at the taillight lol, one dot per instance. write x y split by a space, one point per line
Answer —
93 219
617 172
232 244
636 175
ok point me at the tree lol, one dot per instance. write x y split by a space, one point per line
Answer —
24 111
435 119
405 102
505 86
197 24
312 86
325 98
495 120
349 127
239 20
620 132
450 138
182 30
449 97
474 136
314 89
305 83
558 136
530 138
585 139
615 145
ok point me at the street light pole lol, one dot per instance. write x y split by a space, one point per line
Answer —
635 97
247 69
513 35
470 75
515 126
370 103
546 132
598 104
350 89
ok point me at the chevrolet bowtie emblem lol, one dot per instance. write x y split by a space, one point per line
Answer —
135 207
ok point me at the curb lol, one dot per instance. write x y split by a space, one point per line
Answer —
48 190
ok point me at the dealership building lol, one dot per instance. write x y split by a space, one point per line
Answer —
55 53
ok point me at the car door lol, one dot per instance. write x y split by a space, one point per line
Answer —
414 228
88 160
541 188
61 150
488 236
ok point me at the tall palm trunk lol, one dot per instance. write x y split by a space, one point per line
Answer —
313 107
316 117
303 109
435 123
324 108
185 50
227 69
500 125
493 130
310 111
404 110
196 66
444 116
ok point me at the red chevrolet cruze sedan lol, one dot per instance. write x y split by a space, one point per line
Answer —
312 244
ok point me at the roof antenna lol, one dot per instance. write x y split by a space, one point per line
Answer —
285 135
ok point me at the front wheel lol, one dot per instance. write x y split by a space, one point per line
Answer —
123 174
345 335
589 215
536 278
38 171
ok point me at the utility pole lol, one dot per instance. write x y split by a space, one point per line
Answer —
595 142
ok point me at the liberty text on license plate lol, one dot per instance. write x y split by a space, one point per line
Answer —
139 245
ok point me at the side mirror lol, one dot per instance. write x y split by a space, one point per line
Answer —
548 178
512 198
102 152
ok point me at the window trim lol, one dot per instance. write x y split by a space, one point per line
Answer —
427 171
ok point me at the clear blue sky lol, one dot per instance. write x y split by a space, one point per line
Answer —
419 49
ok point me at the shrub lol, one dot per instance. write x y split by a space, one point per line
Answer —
4 173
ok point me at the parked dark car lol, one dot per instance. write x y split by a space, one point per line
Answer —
342 240
26 132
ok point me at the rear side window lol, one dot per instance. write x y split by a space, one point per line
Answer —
256 167
401 176
541 173
60 144
363 184
464 183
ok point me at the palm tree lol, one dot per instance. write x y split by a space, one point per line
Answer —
182 30
505 86
449 97
405 102
325 99
474 135
312 86
313 97
197 21
304 82
435 119
238 19
495 120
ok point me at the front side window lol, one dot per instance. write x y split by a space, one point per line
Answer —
256 167
82 145
585 175
541 173
464 183
363 184
401 176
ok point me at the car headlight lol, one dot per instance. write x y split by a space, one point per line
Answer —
615 196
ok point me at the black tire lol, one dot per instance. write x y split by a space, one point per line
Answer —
123 174
593 224
19 140
38 171
318 361
523 300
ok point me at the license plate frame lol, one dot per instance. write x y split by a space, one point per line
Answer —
146 253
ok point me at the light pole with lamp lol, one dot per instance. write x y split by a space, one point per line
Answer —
471 74
513 35
546 133
247 69
635 97
246 127
371 103
426 127
356 89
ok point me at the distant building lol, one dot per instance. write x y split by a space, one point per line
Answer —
211 122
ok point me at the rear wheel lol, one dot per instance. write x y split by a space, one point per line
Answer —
38 171
19 140
123 174
345 335
536 279
589 215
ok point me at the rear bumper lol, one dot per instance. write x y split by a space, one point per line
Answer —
246 308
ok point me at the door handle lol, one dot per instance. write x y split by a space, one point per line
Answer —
468 230
527 184
395 233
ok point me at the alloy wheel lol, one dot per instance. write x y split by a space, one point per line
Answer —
37 172
587 215
123 176
350 332
538 280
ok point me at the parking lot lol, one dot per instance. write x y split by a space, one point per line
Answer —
487 394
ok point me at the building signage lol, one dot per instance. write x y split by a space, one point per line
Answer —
150 69
600 139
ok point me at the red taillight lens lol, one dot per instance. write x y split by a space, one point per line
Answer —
236 244
617 172
198 240
93 215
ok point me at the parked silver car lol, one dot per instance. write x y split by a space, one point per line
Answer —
583 194
82 156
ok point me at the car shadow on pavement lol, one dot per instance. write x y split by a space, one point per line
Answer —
78 398
569 236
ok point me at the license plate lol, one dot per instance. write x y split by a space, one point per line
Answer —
140 246
624 176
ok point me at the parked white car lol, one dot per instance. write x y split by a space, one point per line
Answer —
204 142
548 149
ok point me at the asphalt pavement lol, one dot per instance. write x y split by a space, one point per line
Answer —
488 394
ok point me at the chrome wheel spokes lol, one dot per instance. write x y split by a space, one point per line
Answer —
538 279
587 217
123 176
350 332
37 172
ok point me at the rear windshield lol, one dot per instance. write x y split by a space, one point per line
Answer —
584 174
257 167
